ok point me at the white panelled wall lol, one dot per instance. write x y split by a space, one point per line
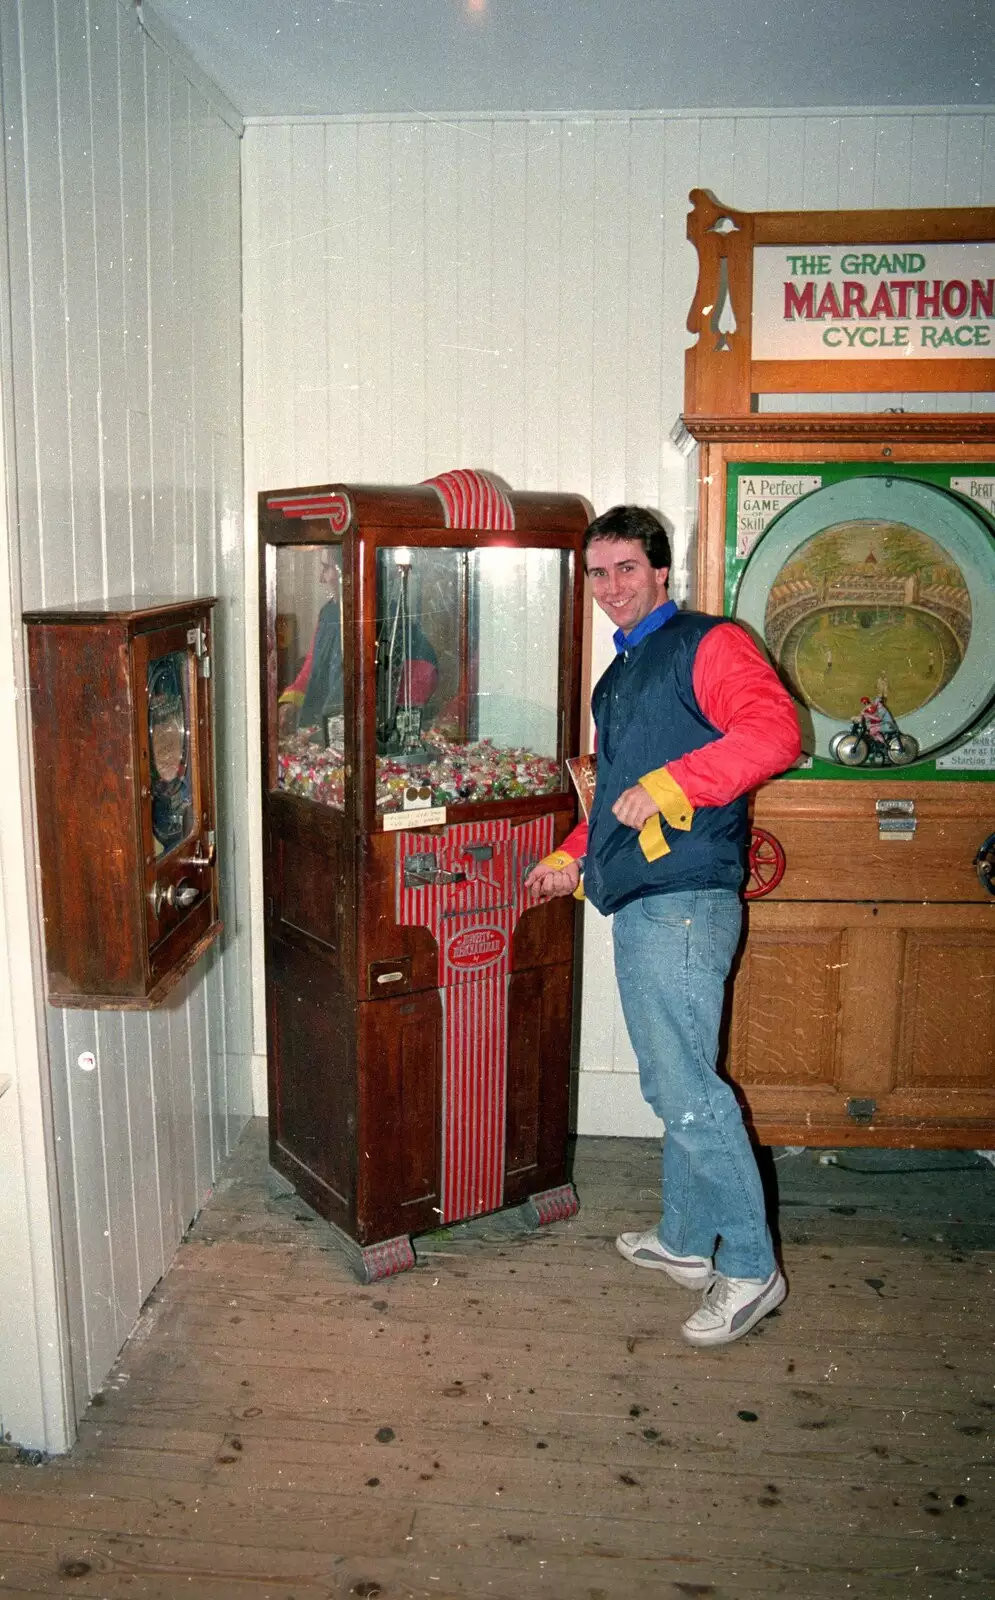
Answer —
511 293
122 424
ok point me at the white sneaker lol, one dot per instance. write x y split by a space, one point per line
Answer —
730 1307
645 1250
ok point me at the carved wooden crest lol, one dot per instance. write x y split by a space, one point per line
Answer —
836 301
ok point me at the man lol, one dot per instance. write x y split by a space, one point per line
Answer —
316 692
880 722
689 718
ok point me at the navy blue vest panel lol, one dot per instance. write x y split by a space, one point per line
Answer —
646 715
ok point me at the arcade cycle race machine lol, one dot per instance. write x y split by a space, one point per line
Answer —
859 547
421 692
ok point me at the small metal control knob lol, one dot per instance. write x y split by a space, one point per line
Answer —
179 895
984 864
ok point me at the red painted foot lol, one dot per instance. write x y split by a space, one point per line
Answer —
554 1205
386 1259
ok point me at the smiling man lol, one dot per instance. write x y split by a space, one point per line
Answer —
690 717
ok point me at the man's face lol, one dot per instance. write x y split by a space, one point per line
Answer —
330 572
623 583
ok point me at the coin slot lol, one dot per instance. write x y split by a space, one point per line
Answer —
388 978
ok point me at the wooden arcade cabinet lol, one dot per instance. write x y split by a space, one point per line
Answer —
859 547
419 1006
122 728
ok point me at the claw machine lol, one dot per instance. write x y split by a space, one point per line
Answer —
421 694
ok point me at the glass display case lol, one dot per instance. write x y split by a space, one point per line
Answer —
421 684
124 783
467 675
874 587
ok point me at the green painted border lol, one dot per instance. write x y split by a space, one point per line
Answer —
936 473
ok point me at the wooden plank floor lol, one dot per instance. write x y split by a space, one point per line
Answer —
519 1417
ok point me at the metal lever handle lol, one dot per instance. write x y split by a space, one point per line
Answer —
423 871
200 860
420 880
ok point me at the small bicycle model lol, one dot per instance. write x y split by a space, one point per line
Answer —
873 739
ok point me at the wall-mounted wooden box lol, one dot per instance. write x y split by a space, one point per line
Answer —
124 783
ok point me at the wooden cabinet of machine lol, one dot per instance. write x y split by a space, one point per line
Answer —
414 744
859 548
124 786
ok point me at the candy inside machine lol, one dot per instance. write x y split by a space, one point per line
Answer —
465 675
421 697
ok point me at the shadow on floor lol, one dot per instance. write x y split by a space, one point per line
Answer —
873 1196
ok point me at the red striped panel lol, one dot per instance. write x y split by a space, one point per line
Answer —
473 499
473 923
336 507
473 1138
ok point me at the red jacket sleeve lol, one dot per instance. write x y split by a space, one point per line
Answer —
300 683
741 695
575 843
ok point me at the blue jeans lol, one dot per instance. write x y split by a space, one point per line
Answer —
672 958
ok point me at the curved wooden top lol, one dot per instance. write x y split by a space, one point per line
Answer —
466 501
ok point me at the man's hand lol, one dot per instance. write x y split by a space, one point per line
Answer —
634 807
546 883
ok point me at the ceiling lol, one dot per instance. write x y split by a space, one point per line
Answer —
283 58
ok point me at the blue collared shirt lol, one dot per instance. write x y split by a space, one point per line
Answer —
656 619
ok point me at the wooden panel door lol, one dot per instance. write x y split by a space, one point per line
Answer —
867 1024
946 1038
312 1080
399 1133
783 1039
539 1050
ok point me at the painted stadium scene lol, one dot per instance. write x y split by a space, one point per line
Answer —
868 608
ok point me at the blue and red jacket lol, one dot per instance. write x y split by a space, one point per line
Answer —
692 710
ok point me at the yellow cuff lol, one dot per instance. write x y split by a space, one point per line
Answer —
651 840
668 797
558 860
291 697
